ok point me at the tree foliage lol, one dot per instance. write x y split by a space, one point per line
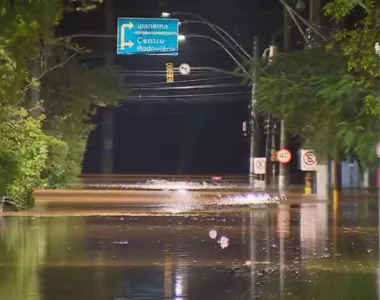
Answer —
71 96
317 96
24 157
357 42
48 150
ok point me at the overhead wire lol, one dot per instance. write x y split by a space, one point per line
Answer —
194 95
189 87
179 81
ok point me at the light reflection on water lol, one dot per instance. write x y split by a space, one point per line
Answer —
287 252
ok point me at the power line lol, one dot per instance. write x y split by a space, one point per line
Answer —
195 95
239 98
179 81
176 70
190 87
203 74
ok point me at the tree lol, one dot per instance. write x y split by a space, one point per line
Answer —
357 42
23 158
72 94
26 31
317 96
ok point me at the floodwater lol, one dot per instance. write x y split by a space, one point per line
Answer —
304 251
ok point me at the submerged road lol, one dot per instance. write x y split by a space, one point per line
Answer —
307 251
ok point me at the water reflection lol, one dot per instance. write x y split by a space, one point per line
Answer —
314 229
284 252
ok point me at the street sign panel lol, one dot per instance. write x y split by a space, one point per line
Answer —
283 156
147 36
308 160
259 163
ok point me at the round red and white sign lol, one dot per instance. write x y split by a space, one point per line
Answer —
283 156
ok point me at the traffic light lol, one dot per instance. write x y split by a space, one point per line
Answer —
267 126
245 128
169 72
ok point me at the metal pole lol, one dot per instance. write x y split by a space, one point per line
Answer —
268 164
108 116
270 167
253 119
283 172
273 133
252 253
282 261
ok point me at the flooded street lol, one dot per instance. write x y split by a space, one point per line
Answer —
286 251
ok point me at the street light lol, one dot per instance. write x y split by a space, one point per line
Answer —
182 38
218 30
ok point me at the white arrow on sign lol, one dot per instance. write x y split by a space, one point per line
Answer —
184 69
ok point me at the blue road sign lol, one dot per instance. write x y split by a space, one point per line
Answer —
147 36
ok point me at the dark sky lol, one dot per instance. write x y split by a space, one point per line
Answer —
201 135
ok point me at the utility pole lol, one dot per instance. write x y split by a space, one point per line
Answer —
270 131
283 170
268 150
107 121
273 152
253 118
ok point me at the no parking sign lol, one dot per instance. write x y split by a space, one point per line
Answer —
308 160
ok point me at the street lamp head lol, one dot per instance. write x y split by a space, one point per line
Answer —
181 38
165 15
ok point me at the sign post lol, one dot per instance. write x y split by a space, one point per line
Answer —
283 156
147 36
308 163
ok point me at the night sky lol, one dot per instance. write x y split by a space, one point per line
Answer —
171 131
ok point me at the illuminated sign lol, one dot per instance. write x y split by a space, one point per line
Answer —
147 36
